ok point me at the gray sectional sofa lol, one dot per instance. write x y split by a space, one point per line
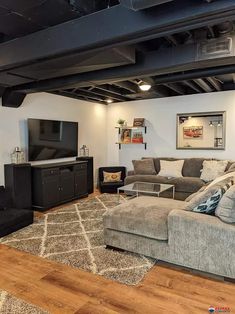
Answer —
188 184
162 229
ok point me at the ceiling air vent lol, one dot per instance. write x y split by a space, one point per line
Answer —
216 48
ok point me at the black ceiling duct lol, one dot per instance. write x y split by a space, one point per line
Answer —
142 4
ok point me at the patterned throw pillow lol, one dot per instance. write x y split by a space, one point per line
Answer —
209 206
112 176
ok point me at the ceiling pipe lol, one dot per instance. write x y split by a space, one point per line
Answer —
137 5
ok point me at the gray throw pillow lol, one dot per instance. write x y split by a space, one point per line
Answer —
144 166
207 200
226 207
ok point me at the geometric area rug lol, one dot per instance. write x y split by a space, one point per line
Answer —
11 305
73 235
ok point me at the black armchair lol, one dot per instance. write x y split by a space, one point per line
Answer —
110 187
12 219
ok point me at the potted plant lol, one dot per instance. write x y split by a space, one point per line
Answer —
121 122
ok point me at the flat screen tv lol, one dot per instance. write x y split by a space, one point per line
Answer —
51 139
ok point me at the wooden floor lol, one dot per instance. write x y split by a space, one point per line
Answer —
61 289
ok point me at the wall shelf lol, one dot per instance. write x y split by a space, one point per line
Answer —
131 127
120 144
130 140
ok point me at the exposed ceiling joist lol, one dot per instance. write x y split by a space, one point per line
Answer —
201 83
111 89
176 88
135 26
91 95
171 39
215 83
161 90
193 86
132 87
76 96
103 93
169 60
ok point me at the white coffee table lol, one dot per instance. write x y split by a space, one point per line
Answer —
146 188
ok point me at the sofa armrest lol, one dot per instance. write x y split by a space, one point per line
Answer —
201 241
130 172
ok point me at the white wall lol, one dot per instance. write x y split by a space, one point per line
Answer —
90 116
97 125
161 121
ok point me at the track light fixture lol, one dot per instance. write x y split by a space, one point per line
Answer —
144 86
109 101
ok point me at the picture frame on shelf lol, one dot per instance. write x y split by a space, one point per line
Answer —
126 136
139 122
137 136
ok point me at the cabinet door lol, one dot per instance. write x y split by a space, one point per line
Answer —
66 186
51 193
81 182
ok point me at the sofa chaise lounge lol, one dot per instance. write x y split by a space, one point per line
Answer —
162 229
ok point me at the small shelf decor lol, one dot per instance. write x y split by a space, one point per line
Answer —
132 134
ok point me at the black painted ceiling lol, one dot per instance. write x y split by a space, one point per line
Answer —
19 18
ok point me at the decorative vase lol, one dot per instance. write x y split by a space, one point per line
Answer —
18 156
84 151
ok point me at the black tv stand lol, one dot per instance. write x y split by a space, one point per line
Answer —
58 183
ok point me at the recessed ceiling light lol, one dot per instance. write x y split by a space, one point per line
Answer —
144 86
109 100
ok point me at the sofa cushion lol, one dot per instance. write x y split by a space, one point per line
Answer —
188 185
226 207
157 162
206 201
144 166
145 215
191 196
226 176
172 169
145 178
213 169
192 167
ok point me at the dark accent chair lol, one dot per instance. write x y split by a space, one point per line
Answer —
110 187
12 219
